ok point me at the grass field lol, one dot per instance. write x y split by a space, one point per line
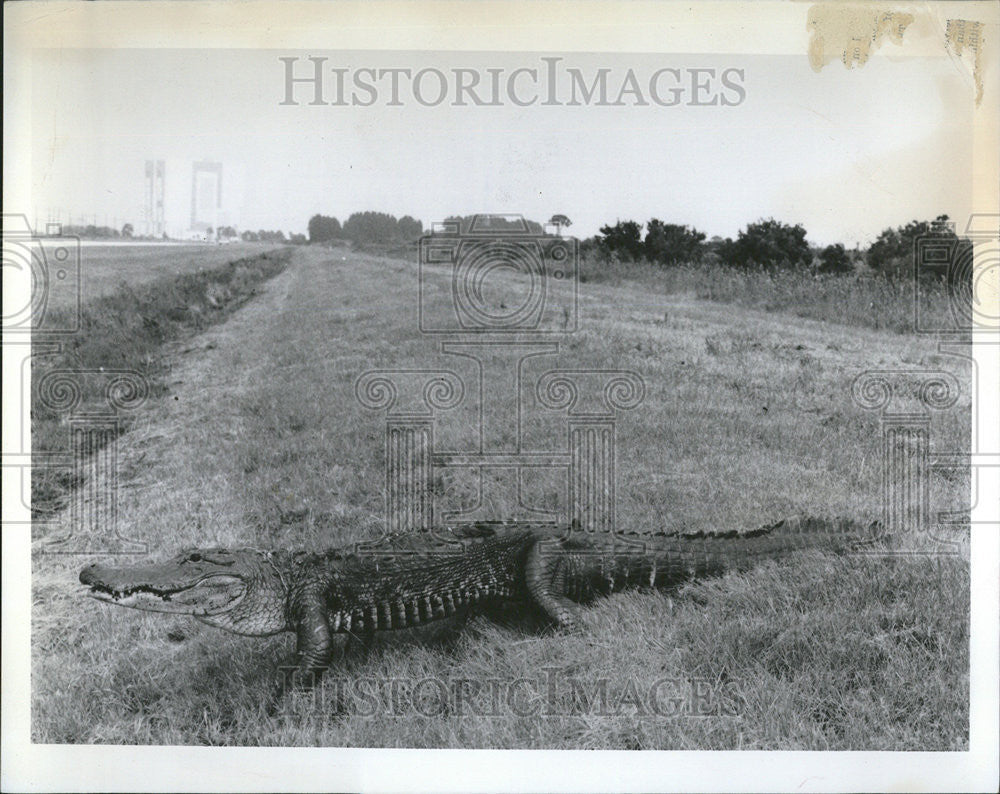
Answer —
130 328
103 268
868 301
259 440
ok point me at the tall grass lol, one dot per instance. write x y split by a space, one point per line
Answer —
128 329
867 300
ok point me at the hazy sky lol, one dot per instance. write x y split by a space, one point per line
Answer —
845 153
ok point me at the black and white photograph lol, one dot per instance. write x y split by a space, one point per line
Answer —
394 388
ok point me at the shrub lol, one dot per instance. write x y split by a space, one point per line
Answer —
770 244
323 228
892 253
835 259
623 239
869 301
670 244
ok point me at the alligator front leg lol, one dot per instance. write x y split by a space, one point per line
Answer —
316 649
314 643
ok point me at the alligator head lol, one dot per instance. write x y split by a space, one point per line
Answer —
239 590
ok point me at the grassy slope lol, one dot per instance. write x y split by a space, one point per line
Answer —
860 300
104 267
131 329
261 442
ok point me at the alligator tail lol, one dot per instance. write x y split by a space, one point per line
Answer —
707 554
667 559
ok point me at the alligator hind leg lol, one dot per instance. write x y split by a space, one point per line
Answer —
545 579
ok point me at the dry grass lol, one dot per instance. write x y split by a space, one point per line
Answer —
130 329
868 300
747 418
105 268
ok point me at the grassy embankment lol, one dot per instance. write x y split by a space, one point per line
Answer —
135 302
864 300
747 418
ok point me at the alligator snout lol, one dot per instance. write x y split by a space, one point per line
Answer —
104 577
97 575
88 575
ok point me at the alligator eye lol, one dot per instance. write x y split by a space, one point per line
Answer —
195 558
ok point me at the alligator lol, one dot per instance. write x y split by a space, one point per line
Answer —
399 584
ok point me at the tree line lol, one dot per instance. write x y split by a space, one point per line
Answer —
278 236
365 227
769 244
380 227
94 232
766 244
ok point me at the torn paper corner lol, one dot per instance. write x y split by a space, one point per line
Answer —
963 37
850 32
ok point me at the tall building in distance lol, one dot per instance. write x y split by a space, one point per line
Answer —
185 200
